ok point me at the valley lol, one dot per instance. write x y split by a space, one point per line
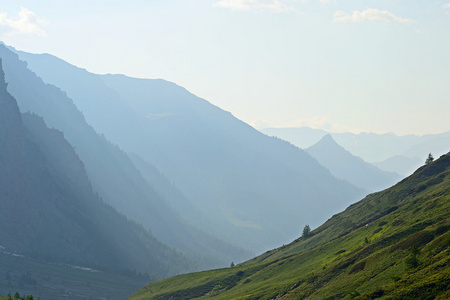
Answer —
119 187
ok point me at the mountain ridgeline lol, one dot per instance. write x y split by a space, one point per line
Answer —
50 214
392 244
389 152
111 172
258 190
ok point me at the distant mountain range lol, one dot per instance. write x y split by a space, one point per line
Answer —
108 181
389 152
392 244
400 163
344 165
257 190
113 175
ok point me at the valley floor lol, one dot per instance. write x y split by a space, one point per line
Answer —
60 281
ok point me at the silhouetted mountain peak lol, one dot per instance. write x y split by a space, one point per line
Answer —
344 165
327 140
329 147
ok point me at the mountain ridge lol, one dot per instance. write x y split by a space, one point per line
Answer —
373 148
232 173
50 216
112 174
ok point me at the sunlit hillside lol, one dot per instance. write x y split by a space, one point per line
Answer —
391 245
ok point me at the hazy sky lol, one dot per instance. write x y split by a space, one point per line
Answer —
375 66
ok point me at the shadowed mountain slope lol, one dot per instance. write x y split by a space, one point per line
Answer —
113 175
344 165
392 244
49 213
258 190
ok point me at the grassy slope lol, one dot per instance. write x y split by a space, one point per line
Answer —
361 253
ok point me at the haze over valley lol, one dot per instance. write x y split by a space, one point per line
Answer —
217 204
190 176
220 149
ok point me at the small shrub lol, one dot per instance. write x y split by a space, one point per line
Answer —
398 222
420 238
434 181
412 262
377 230
312 278
357 267
420 188
441 243
441 229
377 293
382 223
345 264
353 294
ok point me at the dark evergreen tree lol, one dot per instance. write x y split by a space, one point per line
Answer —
306 231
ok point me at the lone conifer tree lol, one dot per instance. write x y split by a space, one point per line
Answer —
306 231
429 159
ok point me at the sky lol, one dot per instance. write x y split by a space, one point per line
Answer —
358 66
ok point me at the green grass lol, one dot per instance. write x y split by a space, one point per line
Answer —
391 245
